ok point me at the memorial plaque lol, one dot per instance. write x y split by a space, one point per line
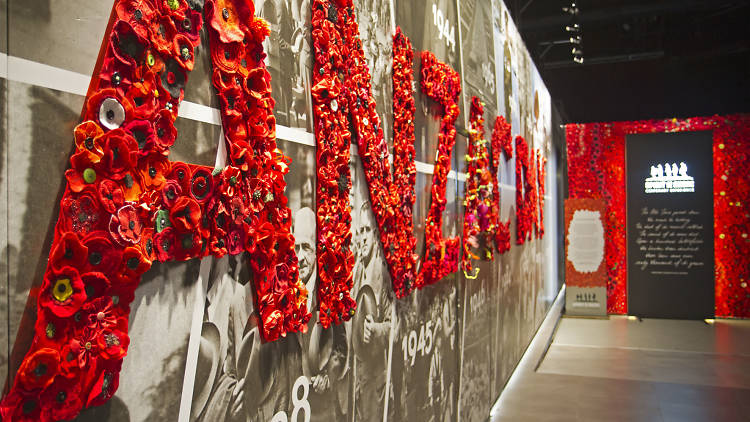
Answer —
670 225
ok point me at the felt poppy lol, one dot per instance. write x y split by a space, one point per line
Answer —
231 180
125 226
165 130
126 44
117 74
224 81
164 244
88 137
134 263
21 406
62 291
183 51
106 382
190 26
95 284
110 195
240 155
229 17
145 97
85 170
170 191
174 8
120 153
62 399
68 251
153 169
163 31
226 56
39 369
103 257
52 331
217 246
181 174
201 184
137 13
185 215
173 79
131 186
147 243
188 245
80 212
271 319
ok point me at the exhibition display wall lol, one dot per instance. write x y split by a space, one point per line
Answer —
434 341
598 168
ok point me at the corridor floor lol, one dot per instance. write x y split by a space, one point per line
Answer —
622 369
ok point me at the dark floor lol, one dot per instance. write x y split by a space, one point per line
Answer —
621 369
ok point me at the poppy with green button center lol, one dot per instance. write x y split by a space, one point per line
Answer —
62 292
162 220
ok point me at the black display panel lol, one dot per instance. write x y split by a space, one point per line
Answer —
670 225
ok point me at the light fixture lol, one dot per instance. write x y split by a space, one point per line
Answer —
575 40
576 51
578 59
575 28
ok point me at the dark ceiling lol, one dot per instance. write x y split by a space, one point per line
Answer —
642 59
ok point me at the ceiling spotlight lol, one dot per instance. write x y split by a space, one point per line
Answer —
575 40
575 28
576 51
578 60
572 10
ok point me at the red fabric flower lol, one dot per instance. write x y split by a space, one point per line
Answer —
201 184
68 252
137 13
170 191
110 195
105 383
134 263
120 153
190 26
95 284
62 399
81 213
229 18
88 137
181 174
127 45
21 406
62 292
103 257
39 369
186 214
164 244
125 226
86 170
153 169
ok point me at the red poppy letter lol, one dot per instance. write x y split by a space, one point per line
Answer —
125 204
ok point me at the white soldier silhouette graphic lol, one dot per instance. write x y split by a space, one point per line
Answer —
669 178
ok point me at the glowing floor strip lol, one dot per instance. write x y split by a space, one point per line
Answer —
526 364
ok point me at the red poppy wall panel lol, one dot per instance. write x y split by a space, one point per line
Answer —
125 204
596 169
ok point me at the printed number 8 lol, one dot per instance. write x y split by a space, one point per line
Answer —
300 403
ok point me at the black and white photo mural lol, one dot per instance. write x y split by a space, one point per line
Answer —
441 354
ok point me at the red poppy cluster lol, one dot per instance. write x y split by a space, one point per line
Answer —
527 211
502 142
480 210
443 84
250 212
541 168
342 89
126 205
596 169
